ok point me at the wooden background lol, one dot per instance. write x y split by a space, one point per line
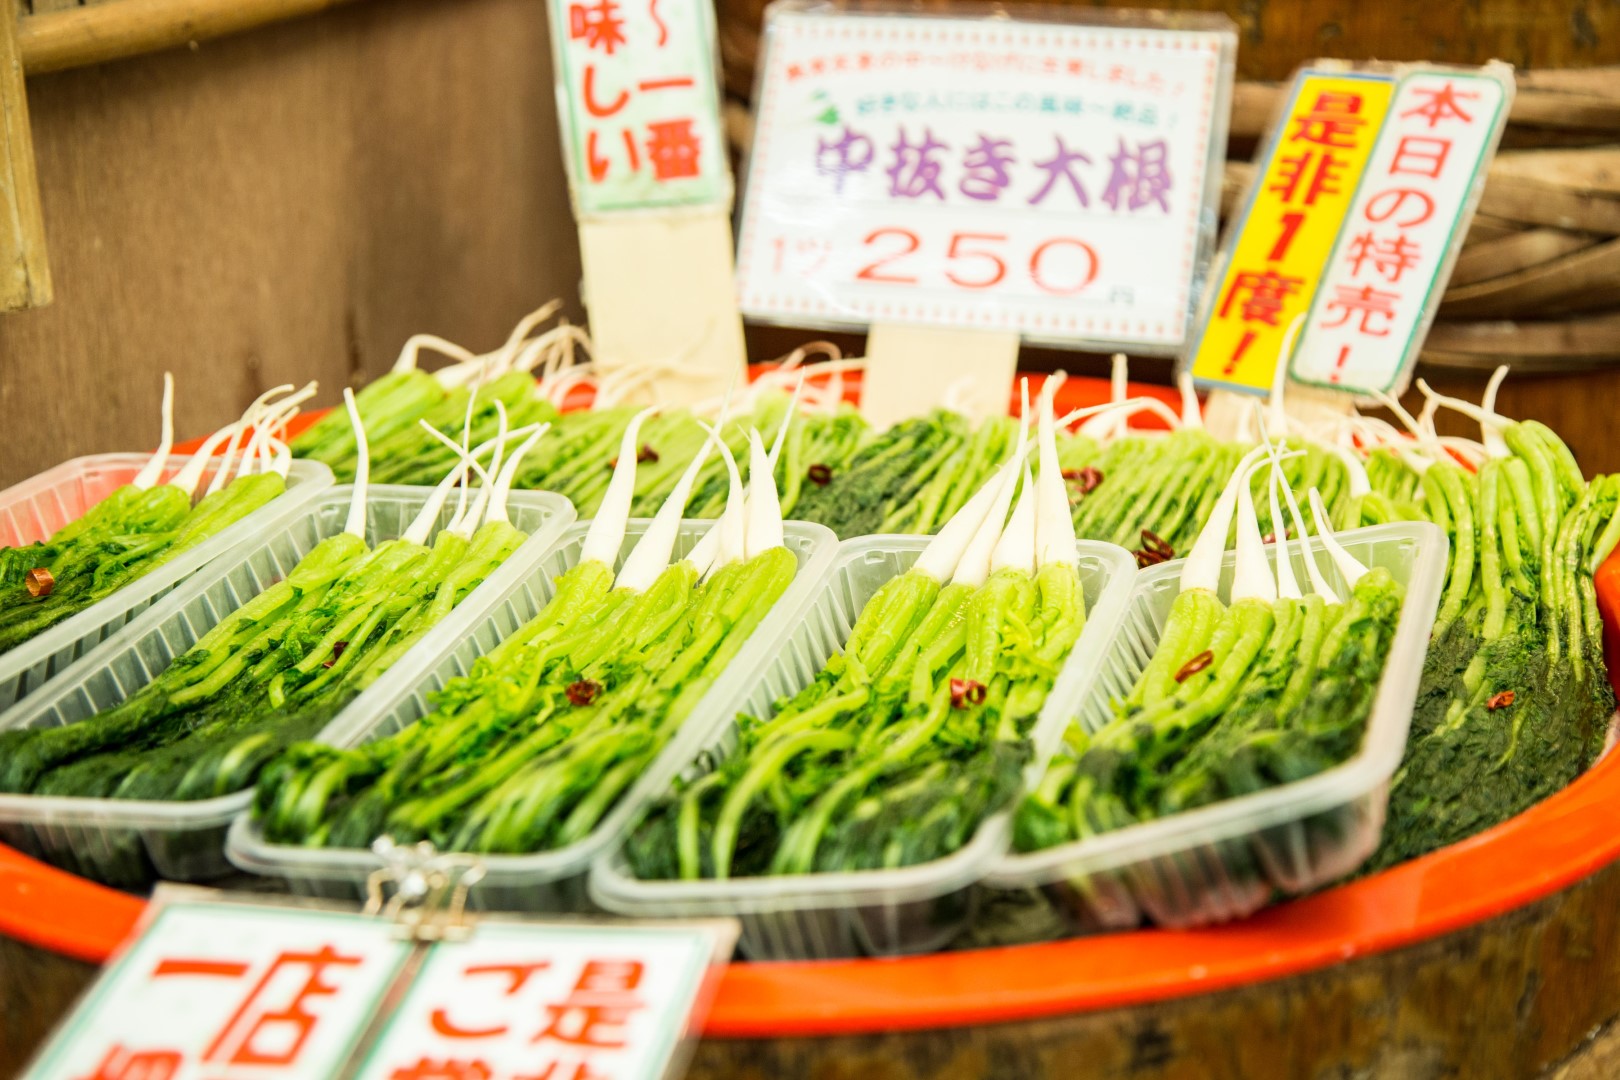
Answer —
294 202
286 205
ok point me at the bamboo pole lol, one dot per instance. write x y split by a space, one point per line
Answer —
78 37
25 276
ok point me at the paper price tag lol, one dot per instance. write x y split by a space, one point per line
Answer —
638 95
521 1002
1050 179
211 991
1301 194
226 987
1355 218
1404 230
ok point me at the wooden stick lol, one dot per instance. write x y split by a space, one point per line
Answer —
77 37
1594 170
1538 203
25 275
1490 260
1579 281
1596 107
1594 336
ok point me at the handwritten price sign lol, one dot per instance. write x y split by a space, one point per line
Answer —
1402 236
639 101
221 988
220 991
1044 178
1360 204
516 1004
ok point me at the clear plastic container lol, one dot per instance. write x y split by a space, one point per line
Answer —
1229 859
870 912
130 842
548 880
34 509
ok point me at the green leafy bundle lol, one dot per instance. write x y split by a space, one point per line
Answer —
274 671
130 533
902 745
537 743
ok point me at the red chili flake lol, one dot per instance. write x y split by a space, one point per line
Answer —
1147 558
1088 478
646 453
965 692
1152 541
819 475
583 692
1500 701
1195 665
40 581
337 651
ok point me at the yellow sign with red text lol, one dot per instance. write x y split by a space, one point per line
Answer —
1288 230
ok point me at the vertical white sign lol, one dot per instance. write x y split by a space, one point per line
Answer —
1400 239
638 94
523 1002
227 990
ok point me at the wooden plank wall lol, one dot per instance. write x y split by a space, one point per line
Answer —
293 202
284 205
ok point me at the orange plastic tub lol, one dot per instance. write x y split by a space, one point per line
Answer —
1543 850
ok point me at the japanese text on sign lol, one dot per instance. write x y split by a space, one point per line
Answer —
639 103
216 990
1051 179
529 1003
1374 306
1283 241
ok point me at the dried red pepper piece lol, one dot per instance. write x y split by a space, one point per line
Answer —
1501 700
1145 559
583 692
40 581
965 692
1195 665
337 653
819 475
1087 478
1152 541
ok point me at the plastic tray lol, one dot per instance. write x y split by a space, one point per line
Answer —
34 509
874 912
129 842
550 880
1229 859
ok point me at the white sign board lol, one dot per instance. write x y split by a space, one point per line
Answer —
517 1001
1054 179
226 988
218 991
1404 230
639 100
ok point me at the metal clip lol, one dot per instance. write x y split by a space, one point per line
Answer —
429 897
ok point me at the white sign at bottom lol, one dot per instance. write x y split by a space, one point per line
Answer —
221 991
518 1002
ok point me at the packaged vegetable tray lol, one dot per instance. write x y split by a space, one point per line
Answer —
129 842
1228 859
36 508
552 880
872 912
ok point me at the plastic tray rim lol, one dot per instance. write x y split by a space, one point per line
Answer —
217 812
247 849
1372 766
618 891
